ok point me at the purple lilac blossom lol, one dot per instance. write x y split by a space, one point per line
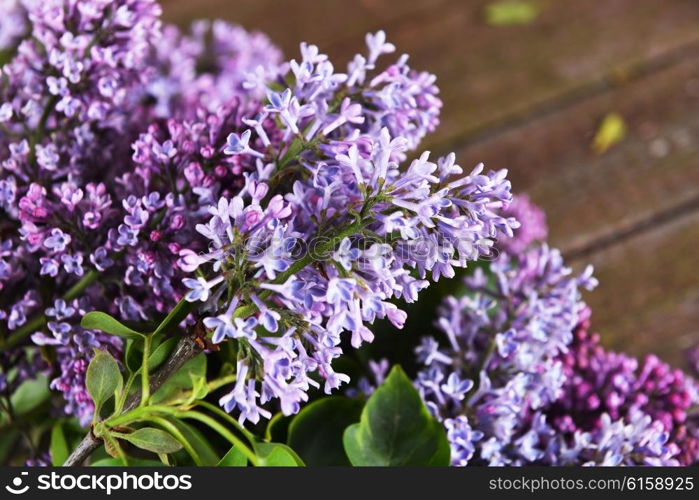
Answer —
208 66
328 186
13 23
78 113
96 80
518 380
532 229
503 337
65 113
601 382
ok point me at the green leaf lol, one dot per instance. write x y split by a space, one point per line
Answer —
611 131
181 379
133 462
396 429
30 394
103 378
59 445
133 354
112 447
276 455
152 439
174 317
234 458
200 444
8 440
511 12
199 388
316 432
97 320
278 428
161 353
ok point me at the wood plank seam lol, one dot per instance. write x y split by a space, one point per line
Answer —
591 89
640 227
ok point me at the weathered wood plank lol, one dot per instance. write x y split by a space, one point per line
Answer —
648 299
633 211
487 74
321 22
588 197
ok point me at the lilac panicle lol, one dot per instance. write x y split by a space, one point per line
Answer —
208 66
502 344
96 178
328 228
65 114
200 132
532 229
601 382
516 378
303 314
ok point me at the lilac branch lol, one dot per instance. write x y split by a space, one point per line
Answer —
185 350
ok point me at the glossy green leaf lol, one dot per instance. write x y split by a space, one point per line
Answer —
133 354
175 317
59 445
396 429
234 458
511 12
152 439
276 455
182 379
30 394
316 432
103 378
200 444
278 428
199 388
97 320
160 354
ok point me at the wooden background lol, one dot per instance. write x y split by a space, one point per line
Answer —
530 98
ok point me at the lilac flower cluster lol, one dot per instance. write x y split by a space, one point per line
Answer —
209 66
519 380
532 229
100 189
288 270
500 359
600 382
132 154
63 117
13 23
140 165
